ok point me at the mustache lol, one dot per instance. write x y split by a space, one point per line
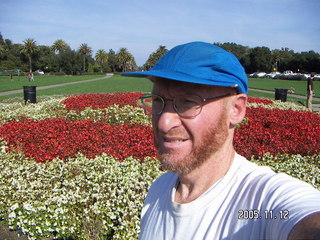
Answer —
172 133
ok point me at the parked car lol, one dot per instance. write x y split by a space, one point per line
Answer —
261 74
288 72
39 72
272 75
257 75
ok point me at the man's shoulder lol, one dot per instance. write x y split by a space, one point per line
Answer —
263 178
248 168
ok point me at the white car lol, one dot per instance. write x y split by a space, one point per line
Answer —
39 72
272 75
288 72
261 74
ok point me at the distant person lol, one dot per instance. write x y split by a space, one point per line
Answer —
29 76
210 192
310 91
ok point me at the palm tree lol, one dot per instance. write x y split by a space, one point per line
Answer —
125 60
57 47
84 50
101 58
29 48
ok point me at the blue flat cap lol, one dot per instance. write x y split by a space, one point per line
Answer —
201 63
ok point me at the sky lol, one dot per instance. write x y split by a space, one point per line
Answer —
141 26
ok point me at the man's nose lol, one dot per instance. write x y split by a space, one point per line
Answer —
168 119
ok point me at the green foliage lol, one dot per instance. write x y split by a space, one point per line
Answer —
83 198
260 60
126 60
102 58
154 58
61 58
29 49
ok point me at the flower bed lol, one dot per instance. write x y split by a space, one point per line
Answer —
277 132
58 138
100 101
98 156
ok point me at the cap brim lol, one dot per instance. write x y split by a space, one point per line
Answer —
225 82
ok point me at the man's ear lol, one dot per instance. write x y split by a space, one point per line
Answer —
238 108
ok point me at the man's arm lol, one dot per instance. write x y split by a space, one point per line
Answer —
307 228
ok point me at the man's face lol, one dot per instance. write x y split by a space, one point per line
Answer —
186 143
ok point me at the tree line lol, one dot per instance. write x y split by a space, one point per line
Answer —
60 58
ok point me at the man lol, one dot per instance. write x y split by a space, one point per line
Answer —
309 91
210 192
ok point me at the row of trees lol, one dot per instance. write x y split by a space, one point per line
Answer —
262 59
61 58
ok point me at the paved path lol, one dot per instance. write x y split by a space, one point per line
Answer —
315 107
55 85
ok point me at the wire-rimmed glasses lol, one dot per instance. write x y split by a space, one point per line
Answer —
187 106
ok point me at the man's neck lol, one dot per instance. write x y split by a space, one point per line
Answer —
195 183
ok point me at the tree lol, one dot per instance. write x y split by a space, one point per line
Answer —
29 48
286 58
101 58
260 59
154 57
11 57
57 47
310 61
276 59
2 51
85 51
126 60
71 61
2 47
112 60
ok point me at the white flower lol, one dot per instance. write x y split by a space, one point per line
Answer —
28 207
14 207
12 215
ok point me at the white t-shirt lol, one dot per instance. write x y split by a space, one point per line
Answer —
249 202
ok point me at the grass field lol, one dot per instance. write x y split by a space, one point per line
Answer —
118 83
113 84
271 84
7 84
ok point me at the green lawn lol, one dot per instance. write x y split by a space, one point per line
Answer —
271 84
118 83
7 84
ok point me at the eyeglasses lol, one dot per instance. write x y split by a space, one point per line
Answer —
187 106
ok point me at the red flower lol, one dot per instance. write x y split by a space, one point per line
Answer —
275 131
51 138
278 131
97 101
